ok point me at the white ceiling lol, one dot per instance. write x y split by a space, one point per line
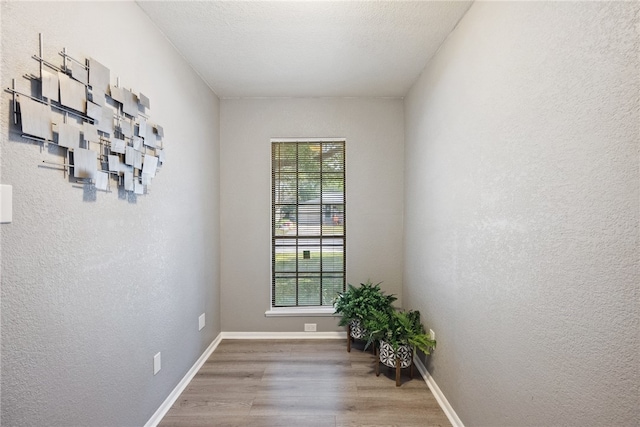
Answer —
307 49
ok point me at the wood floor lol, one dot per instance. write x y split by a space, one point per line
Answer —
304 383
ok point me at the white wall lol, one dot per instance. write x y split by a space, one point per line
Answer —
522 212
93 285
373 129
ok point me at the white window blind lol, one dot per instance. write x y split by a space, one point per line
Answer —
308 220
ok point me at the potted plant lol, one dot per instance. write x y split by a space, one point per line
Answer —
400 334
355 305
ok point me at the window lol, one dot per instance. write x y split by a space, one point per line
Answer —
308 256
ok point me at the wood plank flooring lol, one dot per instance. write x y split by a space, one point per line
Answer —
310 383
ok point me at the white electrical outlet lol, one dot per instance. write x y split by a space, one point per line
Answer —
432 335
156 364
310 327
201 322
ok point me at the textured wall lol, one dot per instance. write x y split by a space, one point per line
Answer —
521 225
94 285
374 132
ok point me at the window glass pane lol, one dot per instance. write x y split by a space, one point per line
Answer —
285 291
309 220
285 259
309 289
332 188
309 255
331 286
309 186
284 156
284 218
333 156
285 189
309 157
333 258
333 220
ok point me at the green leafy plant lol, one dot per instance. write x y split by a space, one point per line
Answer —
356 303
398 328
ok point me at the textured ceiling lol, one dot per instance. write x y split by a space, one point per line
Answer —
307 49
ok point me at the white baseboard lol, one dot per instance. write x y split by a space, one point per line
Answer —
283 335
442 400
173 396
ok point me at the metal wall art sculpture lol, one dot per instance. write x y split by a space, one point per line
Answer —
103 128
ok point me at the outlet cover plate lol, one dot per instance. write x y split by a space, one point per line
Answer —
156 364
201 322
6 204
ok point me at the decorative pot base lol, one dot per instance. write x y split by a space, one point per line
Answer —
402 358
354 331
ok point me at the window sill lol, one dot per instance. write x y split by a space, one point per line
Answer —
300 312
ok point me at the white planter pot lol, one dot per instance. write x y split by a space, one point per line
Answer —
356 329
388 356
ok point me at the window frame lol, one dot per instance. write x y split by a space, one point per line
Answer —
301 310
